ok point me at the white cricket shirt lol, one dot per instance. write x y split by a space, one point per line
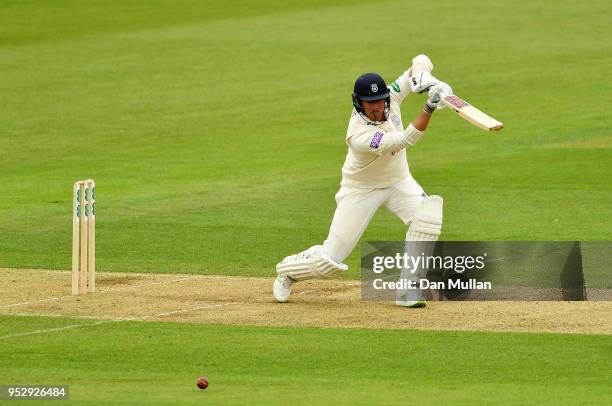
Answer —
376 155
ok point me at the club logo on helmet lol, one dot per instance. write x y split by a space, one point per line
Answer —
374 87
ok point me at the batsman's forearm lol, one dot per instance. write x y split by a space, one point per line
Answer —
422 120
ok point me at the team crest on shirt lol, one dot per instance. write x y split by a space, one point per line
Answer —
374 87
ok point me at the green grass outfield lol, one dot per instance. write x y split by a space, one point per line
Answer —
215 130
215 133
151 363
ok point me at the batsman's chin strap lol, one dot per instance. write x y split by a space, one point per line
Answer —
371 122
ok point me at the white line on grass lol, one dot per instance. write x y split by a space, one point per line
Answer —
117 320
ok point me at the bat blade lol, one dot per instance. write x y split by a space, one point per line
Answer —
472 114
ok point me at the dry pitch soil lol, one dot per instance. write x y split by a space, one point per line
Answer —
249 301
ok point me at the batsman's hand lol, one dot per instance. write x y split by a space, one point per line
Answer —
421 81
437 93
421 63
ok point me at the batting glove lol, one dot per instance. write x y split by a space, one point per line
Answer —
437 93
421 81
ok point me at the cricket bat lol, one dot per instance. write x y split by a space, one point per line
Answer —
472 114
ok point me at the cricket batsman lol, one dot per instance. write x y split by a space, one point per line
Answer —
375 174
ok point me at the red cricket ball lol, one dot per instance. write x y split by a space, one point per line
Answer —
202 382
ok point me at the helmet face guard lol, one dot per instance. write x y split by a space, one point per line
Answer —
370 87
359 107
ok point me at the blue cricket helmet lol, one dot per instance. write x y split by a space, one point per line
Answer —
370 87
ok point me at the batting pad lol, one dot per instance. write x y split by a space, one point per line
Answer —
309 268
427 222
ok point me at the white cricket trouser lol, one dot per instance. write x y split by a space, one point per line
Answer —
356 207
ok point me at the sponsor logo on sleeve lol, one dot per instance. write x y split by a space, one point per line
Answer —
395 87
376 140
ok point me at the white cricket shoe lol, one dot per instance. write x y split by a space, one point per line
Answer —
282 288
411 303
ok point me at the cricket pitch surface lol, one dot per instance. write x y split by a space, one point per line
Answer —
249 301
